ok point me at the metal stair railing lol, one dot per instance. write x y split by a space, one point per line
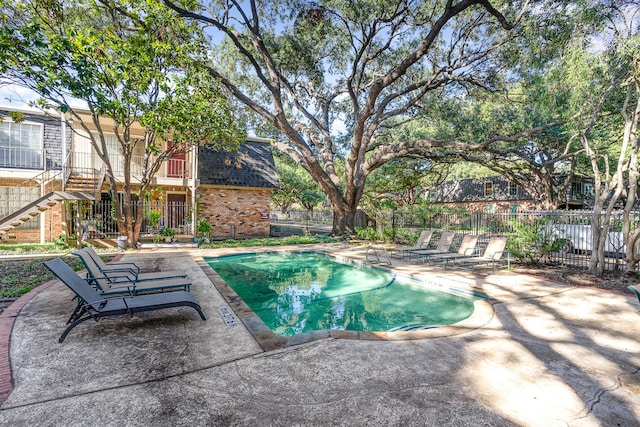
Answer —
29 191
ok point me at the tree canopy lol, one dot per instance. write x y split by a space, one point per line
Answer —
333 78
131 62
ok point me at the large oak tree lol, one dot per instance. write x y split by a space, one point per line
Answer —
332 76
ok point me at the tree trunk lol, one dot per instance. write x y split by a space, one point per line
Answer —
343 219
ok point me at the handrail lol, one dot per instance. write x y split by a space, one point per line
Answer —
29 191
67 169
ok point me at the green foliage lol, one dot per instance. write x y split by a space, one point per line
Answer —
31 248
154 218
61 241
367 233
389 235
168 232
407 237
402 182
296 186
533 241
140 65
204 228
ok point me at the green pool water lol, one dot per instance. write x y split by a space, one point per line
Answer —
294 293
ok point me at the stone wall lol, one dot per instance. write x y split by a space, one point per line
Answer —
235 212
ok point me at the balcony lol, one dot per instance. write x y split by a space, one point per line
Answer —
171 170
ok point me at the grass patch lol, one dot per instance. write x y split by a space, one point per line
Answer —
32 248
18 277
271 241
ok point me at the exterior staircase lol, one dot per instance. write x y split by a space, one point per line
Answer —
74 186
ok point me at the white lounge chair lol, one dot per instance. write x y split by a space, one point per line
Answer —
444 243
466 249
422 243
492 256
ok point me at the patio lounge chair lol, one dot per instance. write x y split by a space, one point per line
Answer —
444 243
466 249
119 265
97 267
422 243
113 283
492 256
636 290
95 306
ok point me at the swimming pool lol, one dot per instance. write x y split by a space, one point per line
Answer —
299 292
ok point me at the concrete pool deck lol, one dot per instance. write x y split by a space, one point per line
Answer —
548 355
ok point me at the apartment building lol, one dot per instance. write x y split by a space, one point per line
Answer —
52 182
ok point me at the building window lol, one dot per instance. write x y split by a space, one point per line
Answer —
513 208
488 189
20 145
513 189
489 208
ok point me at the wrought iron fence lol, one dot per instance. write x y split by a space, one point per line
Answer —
569 233
99 217
566 234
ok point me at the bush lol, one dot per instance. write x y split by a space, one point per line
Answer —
367 233
533 241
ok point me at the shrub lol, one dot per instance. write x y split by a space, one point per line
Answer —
533 241
367 233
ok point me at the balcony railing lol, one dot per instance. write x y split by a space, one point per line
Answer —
173 168
176 168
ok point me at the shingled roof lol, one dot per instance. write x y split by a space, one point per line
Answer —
251 166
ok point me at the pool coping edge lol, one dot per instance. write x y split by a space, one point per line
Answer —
482 314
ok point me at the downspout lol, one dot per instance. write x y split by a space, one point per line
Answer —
194 186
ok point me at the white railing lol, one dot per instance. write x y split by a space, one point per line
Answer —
173 168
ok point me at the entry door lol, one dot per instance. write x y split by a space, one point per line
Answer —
176 207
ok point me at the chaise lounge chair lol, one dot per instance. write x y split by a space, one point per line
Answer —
492 256
95 306
118 265
97 267
466 249
636 290
114 283
444 243
422 243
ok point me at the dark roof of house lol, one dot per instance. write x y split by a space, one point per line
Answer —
473 190
251 166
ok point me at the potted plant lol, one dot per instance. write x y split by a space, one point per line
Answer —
204 228
168 234
154 219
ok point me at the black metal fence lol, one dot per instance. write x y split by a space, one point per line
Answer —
99 217
563 237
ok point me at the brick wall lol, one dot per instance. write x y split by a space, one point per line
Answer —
241 208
